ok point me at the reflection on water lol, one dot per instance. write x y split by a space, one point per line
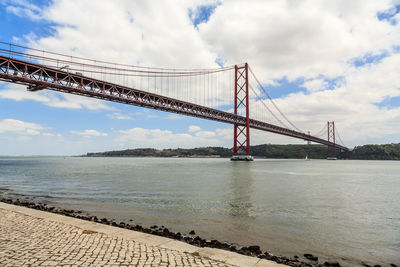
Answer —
240 185
335 209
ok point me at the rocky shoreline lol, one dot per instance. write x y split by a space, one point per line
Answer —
307 260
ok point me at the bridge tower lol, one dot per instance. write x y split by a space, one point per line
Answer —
331 138
241 133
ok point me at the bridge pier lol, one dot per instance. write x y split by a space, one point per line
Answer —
241 133
242 158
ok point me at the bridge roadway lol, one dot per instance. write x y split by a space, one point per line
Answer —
38 77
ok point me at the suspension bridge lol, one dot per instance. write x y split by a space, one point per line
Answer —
230 94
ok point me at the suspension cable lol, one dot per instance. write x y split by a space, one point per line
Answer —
110 63
340 139
266 93
116 71
321 132
251 87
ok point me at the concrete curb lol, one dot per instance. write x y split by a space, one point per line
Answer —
148 239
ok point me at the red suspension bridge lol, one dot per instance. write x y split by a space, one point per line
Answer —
231 94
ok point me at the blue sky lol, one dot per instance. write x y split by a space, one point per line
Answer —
308 87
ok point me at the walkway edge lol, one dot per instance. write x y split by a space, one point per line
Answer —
158 241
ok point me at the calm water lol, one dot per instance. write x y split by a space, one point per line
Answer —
341 210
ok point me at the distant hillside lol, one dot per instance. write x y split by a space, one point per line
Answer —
373 152
289 151
263 151
180 152
377 152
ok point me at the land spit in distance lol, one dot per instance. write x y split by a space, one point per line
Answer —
345 211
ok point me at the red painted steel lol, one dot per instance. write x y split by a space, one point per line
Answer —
235 126
247 111
241 133
331 136
38 77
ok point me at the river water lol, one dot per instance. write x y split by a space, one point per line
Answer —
347 211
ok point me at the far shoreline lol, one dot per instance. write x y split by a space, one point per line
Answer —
182 157
381 152
266 151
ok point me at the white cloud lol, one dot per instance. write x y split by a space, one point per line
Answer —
119 116
46 134
194 128
20 93
148 32
174 117
52 99
24 8
225 133
315 85
205 134
23 12
297 38
157 138
20 127
32 132
88 133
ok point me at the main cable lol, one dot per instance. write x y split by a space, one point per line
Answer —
102 61
340 139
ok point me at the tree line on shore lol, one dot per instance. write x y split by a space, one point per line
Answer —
367 152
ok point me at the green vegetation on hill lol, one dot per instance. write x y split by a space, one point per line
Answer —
377 152
180 152
289 151
264 151
373 152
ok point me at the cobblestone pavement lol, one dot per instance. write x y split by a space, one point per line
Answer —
31 241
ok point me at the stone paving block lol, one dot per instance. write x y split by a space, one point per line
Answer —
128 234
97 227
59 218
180 246
152 239
228 257
7 206
36 238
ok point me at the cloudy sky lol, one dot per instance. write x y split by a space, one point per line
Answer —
320 60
